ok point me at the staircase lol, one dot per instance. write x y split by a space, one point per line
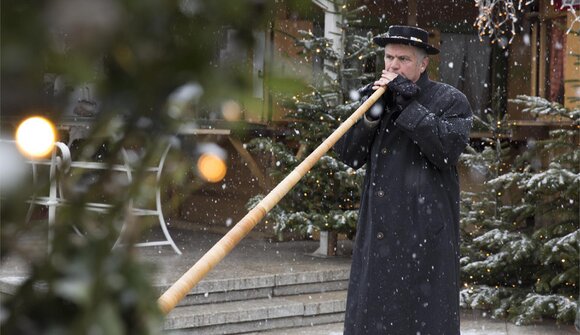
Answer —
272 303
262 288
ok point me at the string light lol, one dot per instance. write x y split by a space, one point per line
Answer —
211 167
35 137
497 18
568 5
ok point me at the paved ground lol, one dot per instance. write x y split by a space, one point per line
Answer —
470 325
256 255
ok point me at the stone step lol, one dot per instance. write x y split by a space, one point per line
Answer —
258 314
264 286
323 329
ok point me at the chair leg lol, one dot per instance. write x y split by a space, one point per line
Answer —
162 222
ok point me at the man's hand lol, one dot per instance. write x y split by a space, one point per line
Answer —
404 89
386 78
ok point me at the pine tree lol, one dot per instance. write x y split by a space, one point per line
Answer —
520 253
327 197
552 191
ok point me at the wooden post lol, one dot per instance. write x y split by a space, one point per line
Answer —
571 67
263 180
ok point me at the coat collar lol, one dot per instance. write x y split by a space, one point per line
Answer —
423 81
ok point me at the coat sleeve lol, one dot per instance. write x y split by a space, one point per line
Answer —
353 147
441 137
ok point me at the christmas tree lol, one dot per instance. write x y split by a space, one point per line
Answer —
327 197
520 233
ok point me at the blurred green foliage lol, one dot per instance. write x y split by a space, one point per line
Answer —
152 64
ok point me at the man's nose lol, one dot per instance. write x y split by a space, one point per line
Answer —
395 64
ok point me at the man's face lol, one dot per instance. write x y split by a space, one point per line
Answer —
402 59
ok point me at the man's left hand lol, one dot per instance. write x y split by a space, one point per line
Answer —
404 87
404 91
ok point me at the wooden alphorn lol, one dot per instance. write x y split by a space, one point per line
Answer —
199 270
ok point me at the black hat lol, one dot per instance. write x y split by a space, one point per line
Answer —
407 35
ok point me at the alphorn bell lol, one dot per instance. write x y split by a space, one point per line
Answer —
199 270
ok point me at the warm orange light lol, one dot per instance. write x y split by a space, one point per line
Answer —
211 167
35 137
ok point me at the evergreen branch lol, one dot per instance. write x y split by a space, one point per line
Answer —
535 306
540 106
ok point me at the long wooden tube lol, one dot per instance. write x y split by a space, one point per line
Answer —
199 270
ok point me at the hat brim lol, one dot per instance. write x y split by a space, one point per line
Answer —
382 41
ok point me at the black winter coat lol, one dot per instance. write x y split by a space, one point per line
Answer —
405 270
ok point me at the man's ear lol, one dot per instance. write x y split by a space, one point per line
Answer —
424 64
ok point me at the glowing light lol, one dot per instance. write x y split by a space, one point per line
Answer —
497 19
35 137
211 167
231 110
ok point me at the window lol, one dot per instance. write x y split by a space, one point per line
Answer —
465 64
